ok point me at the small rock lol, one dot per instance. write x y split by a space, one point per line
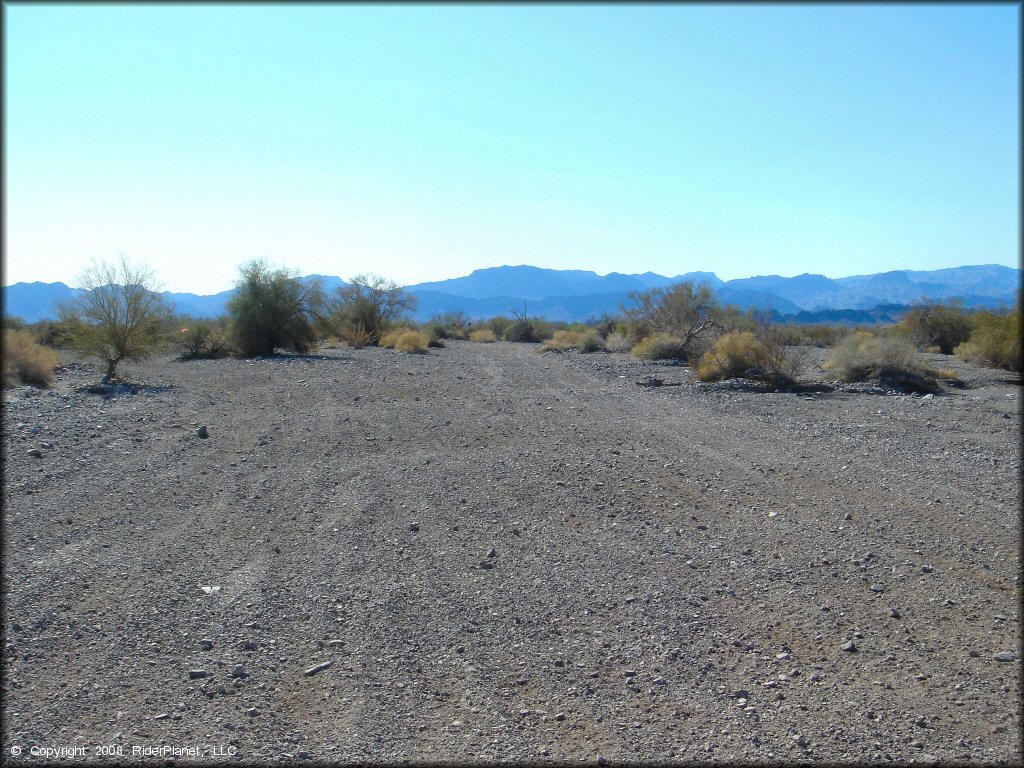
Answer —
335 643
800 741
247 645
206 644
162 716
895 614
741 693
602 760
252 712
849 646
203 432
195 674
1005 656
414 526
492 552
36 453
877 588
238 671
560 716
317 668
973 654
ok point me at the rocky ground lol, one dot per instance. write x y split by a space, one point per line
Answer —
490 554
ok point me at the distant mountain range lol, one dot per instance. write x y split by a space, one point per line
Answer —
577 295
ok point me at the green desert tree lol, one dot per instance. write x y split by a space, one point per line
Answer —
682 312
367 306
118 315
271 309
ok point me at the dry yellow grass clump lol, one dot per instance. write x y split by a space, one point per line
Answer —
405 340
617 341
733 355
484 336
584 341
660 346
26 362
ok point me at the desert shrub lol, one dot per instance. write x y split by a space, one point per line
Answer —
56 334
369 305
816 335
528 330
497 325
390 337
604 324
732 319
483 335
204 339
412 341
995 340
681 311
355 335
272 308
661 346
26 361
780 362
450 325
435 343
118 315
582 339
732 356
13 323
934 324
864 356
618 341
634 329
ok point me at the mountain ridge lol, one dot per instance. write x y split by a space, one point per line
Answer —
572 295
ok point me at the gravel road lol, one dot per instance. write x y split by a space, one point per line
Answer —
491 554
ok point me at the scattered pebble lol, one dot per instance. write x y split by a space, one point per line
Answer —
317 668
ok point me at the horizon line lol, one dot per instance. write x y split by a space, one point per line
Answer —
554 269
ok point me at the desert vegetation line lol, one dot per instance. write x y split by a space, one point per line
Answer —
121 316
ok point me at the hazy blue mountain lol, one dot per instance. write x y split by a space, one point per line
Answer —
568 308
329 283
906 286
578 294
35 301
805 291
199 306
533 283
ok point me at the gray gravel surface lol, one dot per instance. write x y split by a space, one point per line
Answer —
490 554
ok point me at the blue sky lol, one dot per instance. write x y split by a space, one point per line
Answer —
424 142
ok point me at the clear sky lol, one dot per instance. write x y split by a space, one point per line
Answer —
424 142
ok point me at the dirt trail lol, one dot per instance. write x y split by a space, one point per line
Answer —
674 570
